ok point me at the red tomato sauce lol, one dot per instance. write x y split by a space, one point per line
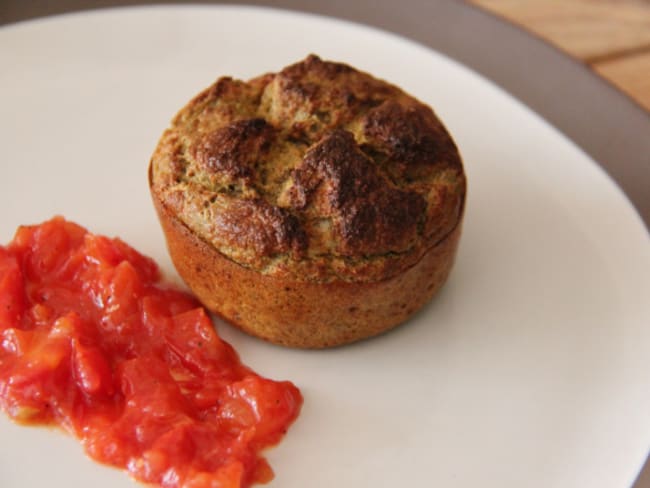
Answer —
91 339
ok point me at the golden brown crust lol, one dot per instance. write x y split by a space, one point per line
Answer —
319 177
319 171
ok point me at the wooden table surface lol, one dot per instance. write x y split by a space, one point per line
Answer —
610 36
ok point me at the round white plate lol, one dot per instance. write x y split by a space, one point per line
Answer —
530 369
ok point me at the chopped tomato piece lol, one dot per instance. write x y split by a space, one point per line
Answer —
91 339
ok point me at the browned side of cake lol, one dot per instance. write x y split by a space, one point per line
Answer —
311 207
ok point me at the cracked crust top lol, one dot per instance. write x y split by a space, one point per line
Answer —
318 172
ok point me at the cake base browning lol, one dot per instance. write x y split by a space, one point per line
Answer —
303 314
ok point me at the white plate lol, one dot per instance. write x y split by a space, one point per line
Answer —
529 370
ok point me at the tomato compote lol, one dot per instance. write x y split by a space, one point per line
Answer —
91 339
